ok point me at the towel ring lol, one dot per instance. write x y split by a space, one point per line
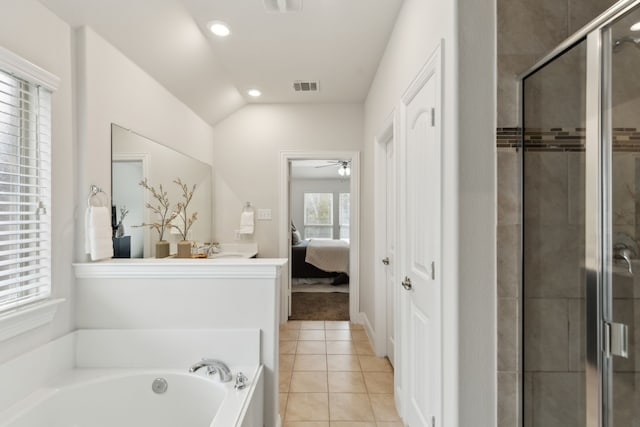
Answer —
94 195
247 207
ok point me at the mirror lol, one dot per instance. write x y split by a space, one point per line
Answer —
135 157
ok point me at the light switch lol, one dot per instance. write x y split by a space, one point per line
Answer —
264 214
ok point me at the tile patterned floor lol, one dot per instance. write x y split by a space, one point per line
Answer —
330 377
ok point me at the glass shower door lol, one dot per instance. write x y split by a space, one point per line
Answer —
553 297
621 167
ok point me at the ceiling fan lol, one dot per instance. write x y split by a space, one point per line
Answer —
344 166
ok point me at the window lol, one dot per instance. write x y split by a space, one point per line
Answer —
345 210
25 187
318 215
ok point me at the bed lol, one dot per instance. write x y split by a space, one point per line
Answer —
319 258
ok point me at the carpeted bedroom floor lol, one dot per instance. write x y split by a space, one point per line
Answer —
319 306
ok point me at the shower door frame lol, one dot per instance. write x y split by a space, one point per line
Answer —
598 378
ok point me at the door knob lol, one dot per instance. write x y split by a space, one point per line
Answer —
406 283
386 261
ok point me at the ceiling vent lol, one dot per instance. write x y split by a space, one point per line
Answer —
283 6
306 86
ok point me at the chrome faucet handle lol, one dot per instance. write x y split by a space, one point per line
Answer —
623 252
241 381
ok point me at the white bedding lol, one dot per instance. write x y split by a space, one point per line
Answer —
328 255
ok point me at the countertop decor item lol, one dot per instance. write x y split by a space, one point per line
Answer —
164 216
184 220
120 227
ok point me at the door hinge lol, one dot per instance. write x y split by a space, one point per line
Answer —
433 421
433 270
616 339
433 117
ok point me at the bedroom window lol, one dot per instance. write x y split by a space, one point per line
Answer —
25 191
343 220
318 215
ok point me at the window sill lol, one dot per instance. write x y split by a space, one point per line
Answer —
26 318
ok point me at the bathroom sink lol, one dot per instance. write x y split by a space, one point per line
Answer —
229 255
235 250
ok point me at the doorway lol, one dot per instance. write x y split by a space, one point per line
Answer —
319 235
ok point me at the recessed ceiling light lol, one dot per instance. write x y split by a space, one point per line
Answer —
635 27
254 93
219 28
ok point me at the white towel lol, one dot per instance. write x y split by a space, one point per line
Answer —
98 233
246 223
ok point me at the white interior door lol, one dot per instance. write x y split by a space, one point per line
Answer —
391 288
421 207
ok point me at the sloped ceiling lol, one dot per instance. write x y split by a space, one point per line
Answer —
337 42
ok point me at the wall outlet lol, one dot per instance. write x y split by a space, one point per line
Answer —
264 214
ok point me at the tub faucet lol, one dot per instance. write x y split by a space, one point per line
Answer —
213 366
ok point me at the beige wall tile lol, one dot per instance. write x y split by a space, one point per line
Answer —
558 399
507 399
307 407
508 327
546 335
350 407
508 187
509 271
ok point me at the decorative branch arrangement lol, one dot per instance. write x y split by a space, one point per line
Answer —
161 209
181 209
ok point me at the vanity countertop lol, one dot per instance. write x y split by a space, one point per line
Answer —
181 268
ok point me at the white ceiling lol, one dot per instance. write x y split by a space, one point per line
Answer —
338 42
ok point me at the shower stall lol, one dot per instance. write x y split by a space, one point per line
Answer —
581 228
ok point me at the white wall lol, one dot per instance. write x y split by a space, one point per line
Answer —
112 89
300 186
49 47
467 31
247 158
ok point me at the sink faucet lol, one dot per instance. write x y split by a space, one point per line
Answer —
213 248
213 366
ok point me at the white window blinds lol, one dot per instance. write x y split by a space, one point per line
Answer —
25 192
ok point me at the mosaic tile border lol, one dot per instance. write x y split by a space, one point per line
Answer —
563 139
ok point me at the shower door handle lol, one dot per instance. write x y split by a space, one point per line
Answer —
616 339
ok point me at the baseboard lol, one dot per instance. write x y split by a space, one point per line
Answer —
364 320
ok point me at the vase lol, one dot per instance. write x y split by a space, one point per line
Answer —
184 249
162 249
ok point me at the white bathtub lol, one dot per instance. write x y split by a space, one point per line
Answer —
124 398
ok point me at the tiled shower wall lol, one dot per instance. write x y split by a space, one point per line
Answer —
527 30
